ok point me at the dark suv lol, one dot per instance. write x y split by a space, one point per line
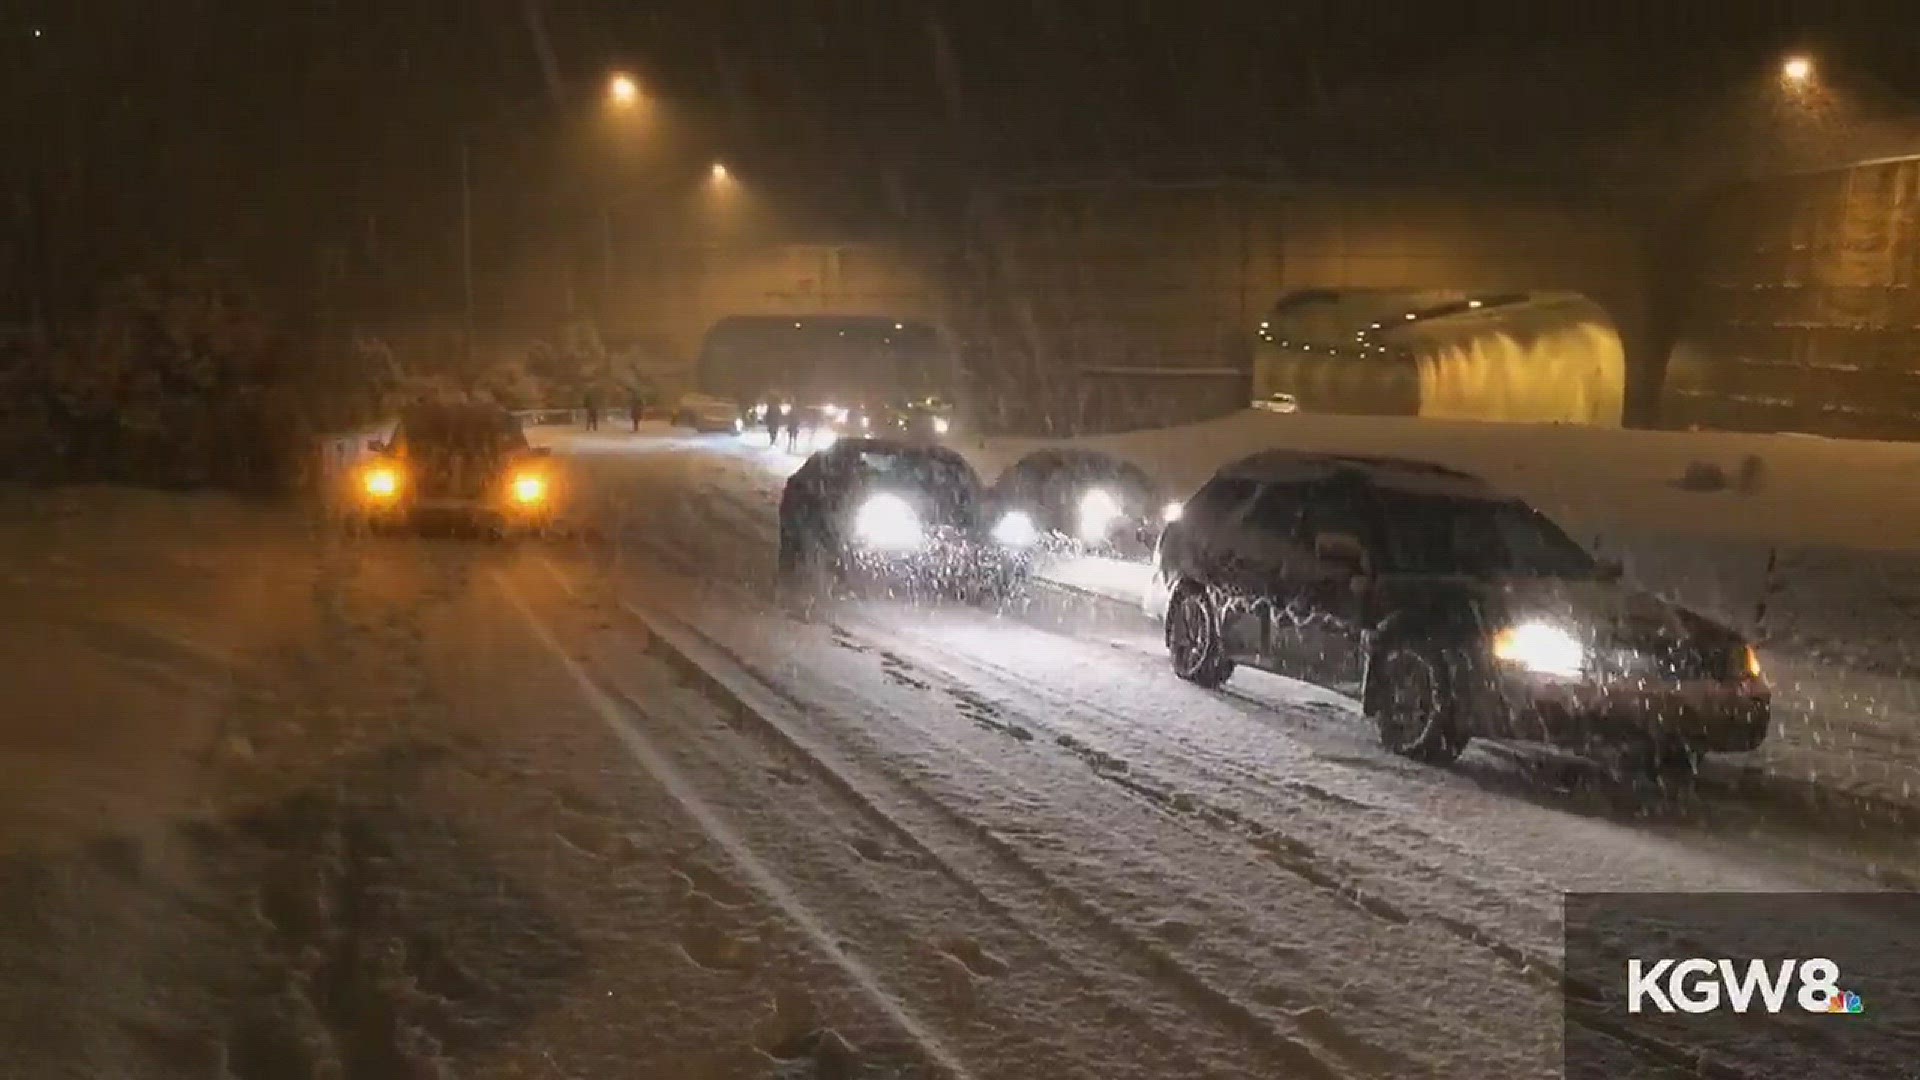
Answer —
1450 609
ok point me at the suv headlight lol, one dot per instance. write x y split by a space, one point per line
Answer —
887 523
1015 529
1542 648
381 482
1098 511
528 488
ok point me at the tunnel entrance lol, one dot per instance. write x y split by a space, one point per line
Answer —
745 356
1519 357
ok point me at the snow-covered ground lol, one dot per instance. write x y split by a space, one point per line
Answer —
309 805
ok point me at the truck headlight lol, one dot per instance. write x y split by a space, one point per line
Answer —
529 489
1015 529
1098 511
887 523
381 482
1542 648
1171 512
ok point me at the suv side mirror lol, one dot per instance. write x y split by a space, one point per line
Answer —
1610 569
1343 550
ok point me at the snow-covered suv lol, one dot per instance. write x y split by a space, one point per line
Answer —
1451 609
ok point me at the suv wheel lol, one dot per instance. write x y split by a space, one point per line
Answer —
1193 639
1413 703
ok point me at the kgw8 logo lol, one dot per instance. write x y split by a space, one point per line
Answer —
1700 985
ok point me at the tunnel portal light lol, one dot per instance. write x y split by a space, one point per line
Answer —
1797 69
1474 303
1411 316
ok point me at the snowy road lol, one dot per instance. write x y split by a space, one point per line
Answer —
616 808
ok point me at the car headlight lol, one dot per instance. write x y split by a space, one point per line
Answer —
865 423
381 482
1015 529
1753 663
1542 648
1098 511
1171 512
940 425
887 523
528 488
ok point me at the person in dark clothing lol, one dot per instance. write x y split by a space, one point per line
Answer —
593 412
635 406
773 425
793 431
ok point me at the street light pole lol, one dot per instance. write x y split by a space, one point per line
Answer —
466 248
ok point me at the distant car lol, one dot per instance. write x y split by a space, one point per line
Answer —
1453 610
708 414
457 465
1084 498
927 419
902 515
1277 403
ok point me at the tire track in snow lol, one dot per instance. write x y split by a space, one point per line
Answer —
1287 851
762 699
661 768
758 700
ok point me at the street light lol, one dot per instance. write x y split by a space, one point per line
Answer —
622 91
1797 69
719 173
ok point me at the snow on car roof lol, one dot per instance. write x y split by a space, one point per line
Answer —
1392 473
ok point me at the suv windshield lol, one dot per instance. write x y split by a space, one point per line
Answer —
949 480
460 429
1428 534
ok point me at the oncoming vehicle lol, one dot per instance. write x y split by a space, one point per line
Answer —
708 414
1084 497
1277 402
919 418
903 515
1452 609
454 464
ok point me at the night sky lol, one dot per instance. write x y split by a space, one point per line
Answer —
148 129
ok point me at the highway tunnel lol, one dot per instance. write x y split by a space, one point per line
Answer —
1549 356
